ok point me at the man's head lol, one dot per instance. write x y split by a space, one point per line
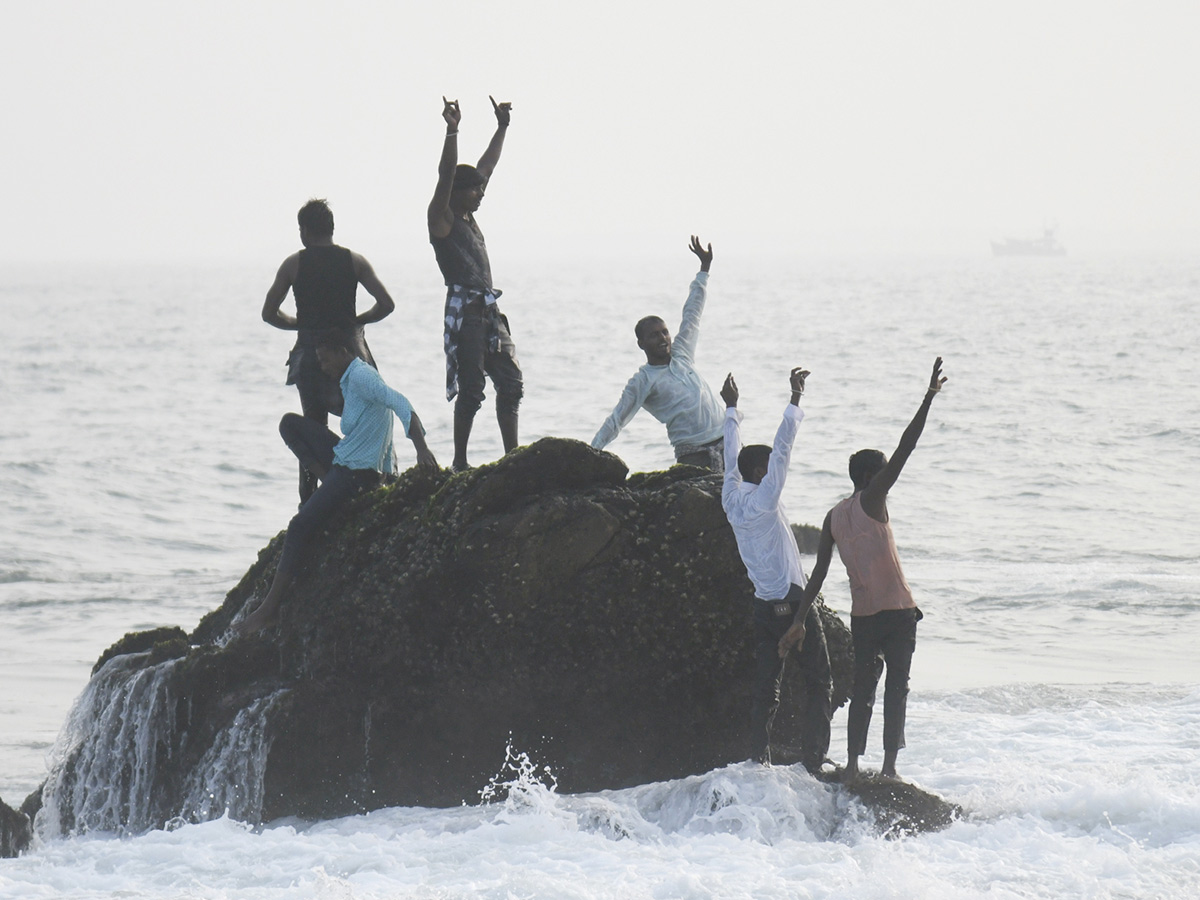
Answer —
753 461
316 221
865 465
467 193
654 338
335 352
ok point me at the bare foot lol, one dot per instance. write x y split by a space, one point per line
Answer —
256 621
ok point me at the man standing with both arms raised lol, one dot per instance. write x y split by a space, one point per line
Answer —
476 337
883 614
754 479
670 387
324 279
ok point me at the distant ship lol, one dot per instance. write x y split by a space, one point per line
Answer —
1046 245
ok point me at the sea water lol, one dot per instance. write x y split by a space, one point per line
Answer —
1045 521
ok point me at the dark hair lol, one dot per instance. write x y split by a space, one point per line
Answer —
335 338
643 322
864 464
466 177
752 457
316 218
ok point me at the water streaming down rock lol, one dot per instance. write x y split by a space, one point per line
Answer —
126 761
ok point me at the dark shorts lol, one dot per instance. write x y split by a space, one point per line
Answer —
476 363
320 395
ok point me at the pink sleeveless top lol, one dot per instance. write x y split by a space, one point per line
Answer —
868 551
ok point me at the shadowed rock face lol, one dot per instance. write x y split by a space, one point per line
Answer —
14 831
600 624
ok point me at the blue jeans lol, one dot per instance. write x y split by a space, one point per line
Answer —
313 443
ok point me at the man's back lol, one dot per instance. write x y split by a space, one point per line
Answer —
325 288
868 550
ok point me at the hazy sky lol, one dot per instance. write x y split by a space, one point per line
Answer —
171 131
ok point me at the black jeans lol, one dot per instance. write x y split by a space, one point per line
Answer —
813 658
886 638
313 443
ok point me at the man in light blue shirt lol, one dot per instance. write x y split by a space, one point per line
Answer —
670 387
345 466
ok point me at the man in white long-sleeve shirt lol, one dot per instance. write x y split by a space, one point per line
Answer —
669 386
754 479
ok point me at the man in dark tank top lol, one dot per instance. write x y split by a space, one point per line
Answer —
324 280
477 340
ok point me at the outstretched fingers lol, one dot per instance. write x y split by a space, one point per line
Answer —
937 379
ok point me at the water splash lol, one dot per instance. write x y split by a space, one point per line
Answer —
519 783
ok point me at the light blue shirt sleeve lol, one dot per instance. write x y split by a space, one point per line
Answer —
371 387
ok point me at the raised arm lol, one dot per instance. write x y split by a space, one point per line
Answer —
770 489
491 156
440 217
794 636
733 437
278 291
874 495
368 279
693 307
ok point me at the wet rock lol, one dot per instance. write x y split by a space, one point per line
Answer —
14 832
899 808
599 623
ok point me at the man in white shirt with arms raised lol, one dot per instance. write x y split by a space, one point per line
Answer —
668 385
754 479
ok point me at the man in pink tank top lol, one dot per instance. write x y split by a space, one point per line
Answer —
883 614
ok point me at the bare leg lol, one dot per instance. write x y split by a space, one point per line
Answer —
850 773
508 430
462 434
889 763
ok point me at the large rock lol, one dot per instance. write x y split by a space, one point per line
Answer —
545 602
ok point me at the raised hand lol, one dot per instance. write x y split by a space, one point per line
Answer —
937 379
451 113
705 253
503 111
729 391
797 379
